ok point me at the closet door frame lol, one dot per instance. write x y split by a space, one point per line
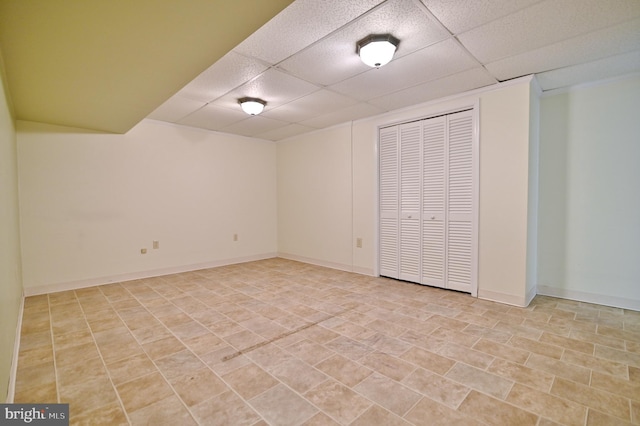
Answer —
462 106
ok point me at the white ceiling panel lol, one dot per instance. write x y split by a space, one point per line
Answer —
354 112
303 62
233 69
450 85
284 132
213 118
432 62
317 103
335 57
463 15
595 45
254 125
299 25
543 24
273 86
613 66
176 108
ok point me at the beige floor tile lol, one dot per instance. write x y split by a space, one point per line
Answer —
130 368
179 364
596 364
110 414
499 350
388 365
198 386
492 411
249 380
377 415
163 347
280 405
559 368
480 380
297 374
88 395
308 351
324 331
338 401
436 387
344 370
42 393
143 391
428 360
602 401
524 375
549 406
166 412
596 418
319 419
388 393
430 412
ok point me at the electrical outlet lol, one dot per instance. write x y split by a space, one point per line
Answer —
235 237
359 242
143 251
156 245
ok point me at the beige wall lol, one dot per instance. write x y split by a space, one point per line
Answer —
339 168
89 202
10 268
589 234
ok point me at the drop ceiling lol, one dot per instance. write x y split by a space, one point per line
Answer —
303 61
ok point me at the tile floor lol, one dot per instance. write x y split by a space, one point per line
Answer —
285 343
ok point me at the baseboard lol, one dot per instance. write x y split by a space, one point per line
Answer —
11 392
505 298
332 265
581 296
92 282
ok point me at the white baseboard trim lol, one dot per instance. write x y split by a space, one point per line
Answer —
505 298
332 265
11 392
581 296
92 282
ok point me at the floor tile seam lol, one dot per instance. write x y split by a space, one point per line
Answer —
301 395
53 349
589 407
104 365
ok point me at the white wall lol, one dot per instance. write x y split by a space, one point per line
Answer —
10 267
333 171
589 245
89 202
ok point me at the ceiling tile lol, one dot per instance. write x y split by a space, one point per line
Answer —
588 47
613 66
285 132
175 108
545 23
334 58
213 118
273 86
424 65
354 112
254 125
463 15
230 71
317 103
300 24
450 85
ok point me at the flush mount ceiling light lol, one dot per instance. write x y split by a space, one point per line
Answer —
252 106
377 50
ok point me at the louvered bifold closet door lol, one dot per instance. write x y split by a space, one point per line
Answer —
460 202
410 199
389 202
433 201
